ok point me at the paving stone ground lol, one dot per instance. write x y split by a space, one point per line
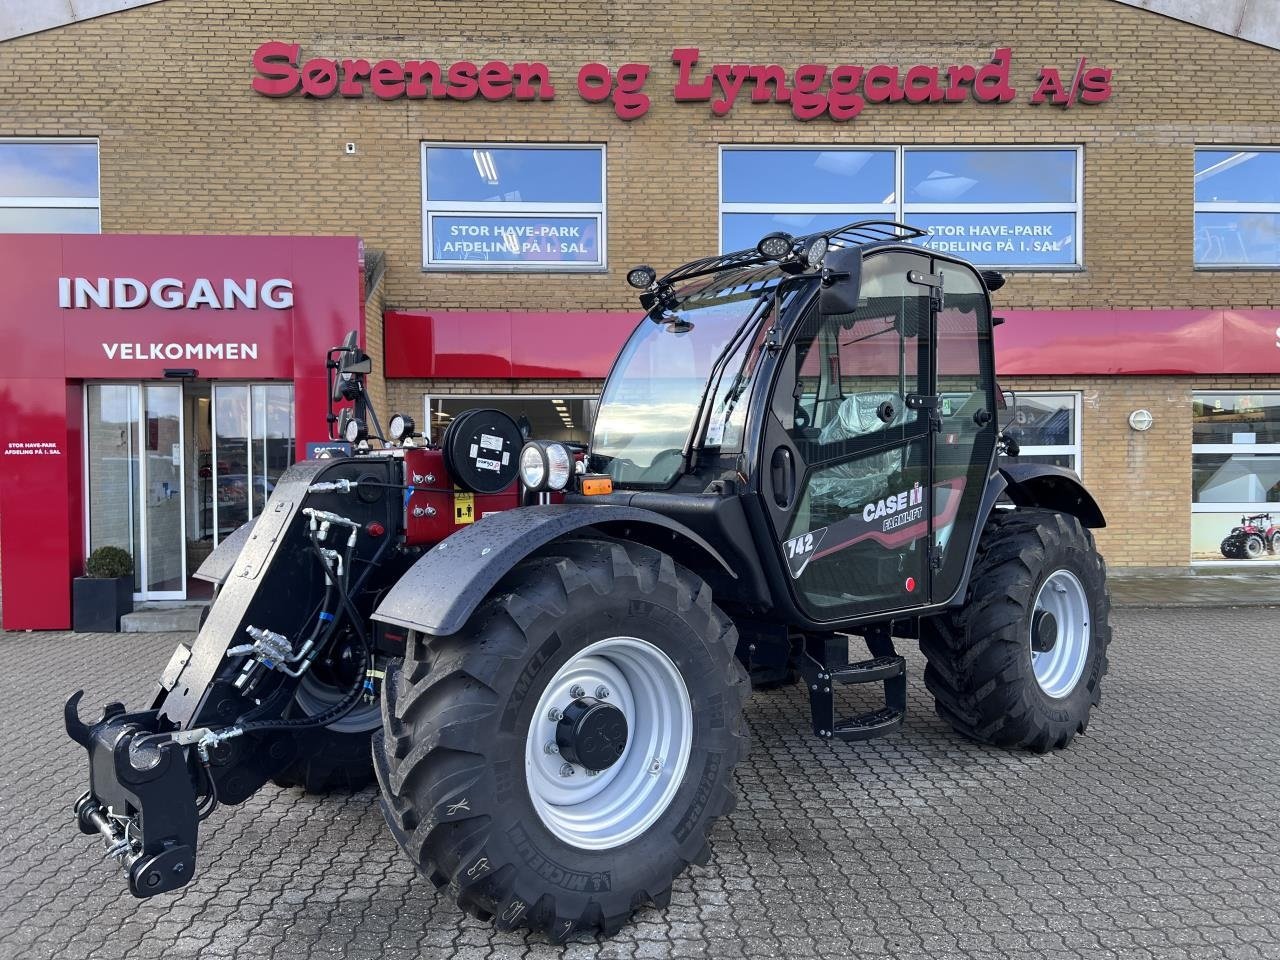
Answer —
1155 836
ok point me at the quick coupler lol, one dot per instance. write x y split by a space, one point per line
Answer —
142 797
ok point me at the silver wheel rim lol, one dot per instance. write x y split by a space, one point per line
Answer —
315 697
1059 669
600 810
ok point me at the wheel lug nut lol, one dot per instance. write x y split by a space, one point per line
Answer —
554 715
551 747
566 770
576 691
602 692
593 773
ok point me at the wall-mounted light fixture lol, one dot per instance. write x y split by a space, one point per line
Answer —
1141 420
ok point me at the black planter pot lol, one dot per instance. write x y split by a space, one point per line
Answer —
98 603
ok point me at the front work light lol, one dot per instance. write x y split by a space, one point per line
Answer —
401 426
356 430
642 277
775 246
559 466
816 252
533 465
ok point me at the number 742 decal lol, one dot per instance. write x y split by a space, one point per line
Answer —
800 550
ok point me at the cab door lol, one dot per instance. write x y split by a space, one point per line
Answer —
848 457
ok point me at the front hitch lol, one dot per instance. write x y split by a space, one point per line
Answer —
142 796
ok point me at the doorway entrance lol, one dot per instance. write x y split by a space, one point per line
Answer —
172 468
134 474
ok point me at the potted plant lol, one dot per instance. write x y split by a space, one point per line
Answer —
104 593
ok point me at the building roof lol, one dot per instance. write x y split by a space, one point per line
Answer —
1257 21
32 16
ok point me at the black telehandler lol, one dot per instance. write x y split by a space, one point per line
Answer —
542 653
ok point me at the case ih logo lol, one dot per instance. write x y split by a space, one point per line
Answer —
170 293
811 90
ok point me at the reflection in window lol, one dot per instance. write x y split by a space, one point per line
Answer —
49 186
1237 208
1003 207
1235 471
1046 427
513 207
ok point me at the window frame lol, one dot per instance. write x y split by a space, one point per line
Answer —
60 203
1209 206
1074 450
901 210
429 397
434 208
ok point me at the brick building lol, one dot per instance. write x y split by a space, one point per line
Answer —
509 161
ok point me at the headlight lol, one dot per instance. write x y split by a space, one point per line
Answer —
356 430
533 466
559 466
816 252
401 426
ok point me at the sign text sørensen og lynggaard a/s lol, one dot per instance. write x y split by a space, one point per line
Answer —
812 90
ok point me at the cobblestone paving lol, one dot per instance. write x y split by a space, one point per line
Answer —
1154 836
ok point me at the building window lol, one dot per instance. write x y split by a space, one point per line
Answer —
566 418
1047 428
504 207
1235 475
1006 207
1238 208
49 186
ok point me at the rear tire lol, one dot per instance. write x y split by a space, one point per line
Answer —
338 758
470 789
986 680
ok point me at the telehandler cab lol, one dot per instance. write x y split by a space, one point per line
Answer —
542 654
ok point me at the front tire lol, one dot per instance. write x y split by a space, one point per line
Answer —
1020 665
1253 546
472 788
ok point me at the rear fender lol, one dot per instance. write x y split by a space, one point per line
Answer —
1052 488
443 588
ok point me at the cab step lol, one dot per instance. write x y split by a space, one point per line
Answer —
825 662
868 726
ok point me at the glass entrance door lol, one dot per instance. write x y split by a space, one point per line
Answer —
253 444
134 467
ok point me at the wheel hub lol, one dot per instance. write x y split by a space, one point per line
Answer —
592 733
1060 633
1044 631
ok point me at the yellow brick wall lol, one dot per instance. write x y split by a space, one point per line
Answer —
188 146
374 300
1142 480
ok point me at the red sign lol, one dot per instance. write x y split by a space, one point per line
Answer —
811 90
119 307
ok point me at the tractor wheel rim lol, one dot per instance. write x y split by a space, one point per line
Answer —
1059 668
1253 547
607 808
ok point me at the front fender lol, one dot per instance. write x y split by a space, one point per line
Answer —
1053 488
441 590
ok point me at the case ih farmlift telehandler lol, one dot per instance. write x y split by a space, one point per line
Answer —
797 440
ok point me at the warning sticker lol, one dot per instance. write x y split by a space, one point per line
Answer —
490 442
464 507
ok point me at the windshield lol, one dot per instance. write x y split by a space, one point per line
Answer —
651 400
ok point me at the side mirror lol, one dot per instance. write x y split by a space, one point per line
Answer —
352 363
841 281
